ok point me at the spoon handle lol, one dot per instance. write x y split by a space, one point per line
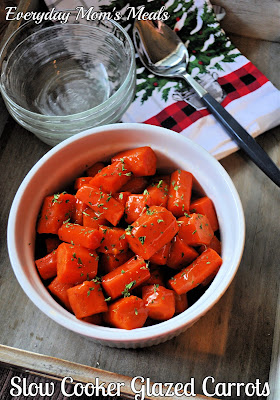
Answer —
245 141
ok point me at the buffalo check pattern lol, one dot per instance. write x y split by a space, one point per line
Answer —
180 115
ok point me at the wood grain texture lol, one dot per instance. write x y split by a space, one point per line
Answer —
236 341
257 19
54 368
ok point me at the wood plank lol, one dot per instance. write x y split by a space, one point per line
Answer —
257 19
52 367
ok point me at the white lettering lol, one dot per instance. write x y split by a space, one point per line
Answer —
170 392
32 389
204 385
189 389
139 393
15 386
63 386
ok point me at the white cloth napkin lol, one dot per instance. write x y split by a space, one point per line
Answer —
229 76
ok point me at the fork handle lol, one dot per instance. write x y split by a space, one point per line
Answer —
237 132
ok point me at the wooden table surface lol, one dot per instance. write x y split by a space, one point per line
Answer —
236 341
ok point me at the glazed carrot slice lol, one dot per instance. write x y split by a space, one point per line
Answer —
59 290
93 219
161 256
121 197
158 193
52 244
159 301
77 216
210 278
102 203
92 171
47 266
87 299
127 313
79 182
55 210
215 244
205 206
195 230
95 319
136 185
181 302
196 273
135 205
109 262
180 253
81 235
157 277
127 276
113 240
141 161
180 191
75 263
111 178
151 231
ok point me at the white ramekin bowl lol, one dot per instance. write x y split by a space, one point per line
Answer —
69 159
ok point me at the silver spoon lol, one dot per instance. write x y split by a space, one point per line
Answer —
164 54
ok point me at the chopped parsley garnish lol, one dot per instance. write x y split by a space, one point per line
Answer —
125 292
142 239
159 185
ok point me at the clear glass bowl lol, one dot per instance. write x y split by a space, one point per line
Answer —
60 79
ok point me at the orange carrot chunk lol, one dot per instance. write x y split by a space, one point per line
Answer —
180 253
93 219
127 313
113 240
121 197
77 216
47 266
151 231
52 244
112 178
180 191
157 277
79 182
159 301
55 210
210 278
215 244
126 277
161 256
141 161
109 262
157 193
75 263
95 319
59 290
196 273
87 299
82 235
135 205
136 185
102 203
92 171
195 230
181 302
206 207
